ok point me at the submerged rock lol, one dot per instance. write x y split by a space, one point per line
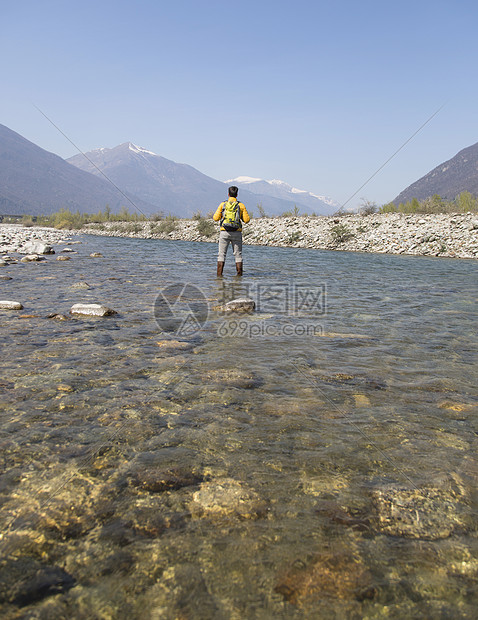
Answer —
26 581
80 285
158 481
426 513
92 310
226 497
232 378
334 575
96 255
10 305
58 317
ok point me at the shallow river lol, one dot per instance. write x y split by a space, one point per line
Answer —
314 459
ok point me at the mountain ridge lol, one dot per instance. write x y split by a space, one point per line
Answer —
280 189
174 187
34 181
448 179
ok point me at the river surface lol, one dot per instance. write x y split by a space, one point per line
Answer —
314 459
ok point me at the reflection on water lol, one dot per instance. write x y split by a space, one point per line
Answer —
313 460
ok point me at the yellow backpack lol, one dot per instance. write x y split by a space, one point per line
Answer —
231 216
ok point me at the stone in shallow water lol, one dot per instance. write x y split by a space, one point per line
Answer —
92 310
26 581
58 317
80 285
426 513
38 247
226 497
10 305
157 481
96 255
243 304
329 574
31 258
63 258
233 377
5 278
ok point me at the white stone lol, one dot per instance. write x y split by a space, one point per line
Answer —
92 310
243 304
30 258
10 305
37 247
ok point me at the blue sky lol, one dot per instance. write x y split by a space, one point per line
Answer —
317 94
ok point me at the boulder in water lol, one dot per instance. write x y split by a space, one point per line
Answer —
10 305
242 304
92 310
37 247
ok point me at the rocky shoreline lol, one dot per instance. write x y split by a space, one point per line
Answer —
18 239
444 235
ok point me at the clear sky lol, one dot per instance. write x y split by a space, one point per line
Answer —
316 93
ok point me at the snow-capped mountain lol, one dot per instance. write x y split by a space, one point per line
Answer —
305 201
173 188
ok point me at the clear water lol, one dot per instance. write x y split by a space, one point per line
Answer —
348 423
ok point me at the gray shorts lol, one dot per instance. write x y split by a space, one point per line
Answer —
225 238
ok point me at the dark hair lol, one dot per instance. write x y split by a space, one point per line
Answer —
232 191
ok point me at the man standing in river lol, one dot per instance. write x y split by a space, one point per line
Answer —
230 212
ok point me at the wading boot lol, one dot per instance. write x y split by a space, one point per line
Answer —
239 269
220 267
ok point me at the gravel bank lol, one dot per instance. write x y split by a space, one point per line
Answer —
446 235
17 238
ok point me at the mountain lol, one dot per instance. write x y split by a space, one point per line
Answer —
34 181
304 200
174 188
449 179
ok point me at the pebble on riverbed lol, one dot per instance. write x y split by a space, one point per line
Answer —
92 310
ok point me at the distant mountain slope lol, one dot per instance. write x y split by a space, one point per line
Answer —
306 201
34 181
449 179
174 188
